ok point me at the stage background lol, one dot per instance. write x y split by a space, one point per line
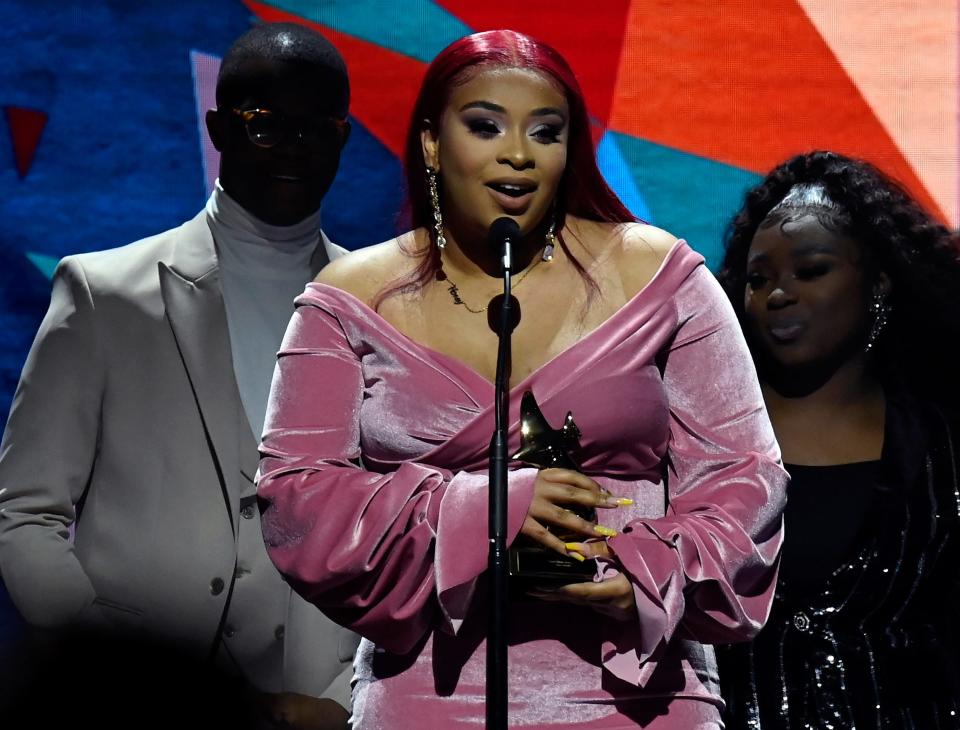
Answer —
102 142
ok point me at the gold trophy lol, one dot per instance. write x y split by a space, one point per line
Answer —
532 564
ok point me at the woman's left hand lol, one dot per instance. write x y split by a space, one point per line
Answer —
613 597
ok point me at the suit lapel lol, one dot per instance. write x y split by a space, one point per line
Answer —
190 286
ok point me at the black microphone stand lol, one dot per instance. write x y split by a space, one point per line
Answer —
497 566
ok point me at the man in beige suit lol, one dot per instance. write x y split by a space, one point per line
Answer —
139 409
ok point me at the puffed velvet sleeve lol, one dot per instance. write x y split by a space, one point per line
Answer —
707 569
390 555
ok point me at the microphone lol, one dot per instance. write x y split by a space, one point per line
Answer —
504 232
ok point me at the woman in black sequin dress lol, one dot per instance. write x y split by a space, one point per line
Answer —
850 297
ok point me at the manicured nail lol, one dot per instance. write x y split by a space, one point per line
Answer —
577 546
605 531
611 501
576 556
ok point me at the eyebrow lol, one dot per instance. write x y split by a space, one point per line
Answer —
490 106
800 251
545 111
808 249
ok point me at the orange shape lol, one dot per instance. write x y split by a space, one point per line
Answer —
747 84
903 57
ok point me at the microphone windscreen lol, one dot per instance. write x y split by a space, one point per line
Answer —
502 229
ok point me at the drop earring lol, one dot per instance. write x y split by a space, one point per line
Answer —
881 311
435 205
550 240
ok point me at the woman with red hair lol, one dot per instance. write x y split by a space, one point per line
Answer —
374 466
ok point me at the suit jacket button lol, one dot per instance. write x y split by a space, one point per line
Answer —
279 633
248 512
216 586
229 632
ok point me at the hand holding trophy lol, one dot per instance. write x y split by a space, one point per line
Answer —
533 565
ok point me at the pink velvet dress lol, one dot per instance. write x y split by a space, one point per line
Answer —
374 471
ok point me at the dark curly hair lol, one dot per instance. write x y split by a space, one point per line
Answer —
919 254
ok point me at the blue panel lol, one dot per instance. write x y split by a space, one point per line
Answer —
119 158
690 196
619 177
420 29
362 206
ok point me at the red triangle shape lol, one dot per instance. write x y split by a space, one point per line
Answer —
383 83
589 35
26 127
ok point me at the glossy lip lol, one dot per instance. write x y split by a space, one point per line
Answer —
510 203
787 331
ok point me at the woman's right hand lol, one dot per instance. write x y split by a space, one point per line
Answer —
555 492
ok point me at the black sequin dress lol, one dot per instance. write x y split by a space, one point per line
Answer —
862 634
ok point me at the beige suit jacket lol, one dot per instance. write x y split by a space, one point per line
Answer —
127 421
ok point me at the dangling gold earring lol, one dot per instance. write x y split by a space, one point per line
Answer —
435 205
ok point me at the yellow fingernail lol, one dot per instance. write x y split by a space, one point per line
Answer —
573 545
576 556
624 501
605 531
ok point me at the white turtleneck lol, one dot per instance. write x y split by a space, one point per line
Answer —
262 269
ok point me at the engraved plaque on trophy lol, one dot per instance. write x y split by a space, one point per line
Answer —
532 564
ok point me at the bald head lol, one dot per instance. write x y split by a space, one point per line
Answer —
280 122
299 51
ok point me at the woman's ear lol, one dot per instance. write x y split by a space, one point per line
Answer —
430 145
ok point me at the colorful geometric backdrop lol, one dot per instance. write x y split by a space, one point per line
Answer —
103 102
102 142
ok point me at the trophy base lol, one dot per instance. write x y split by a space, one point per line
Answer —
532 566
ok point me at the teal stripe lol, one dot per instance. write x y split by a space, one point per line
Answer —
620 178
46 264
416 28
693 197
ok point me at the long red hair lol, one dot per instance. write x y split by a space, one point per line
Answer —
582 192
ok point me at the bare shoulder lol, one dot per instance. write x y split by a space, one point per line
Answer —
623 243
364 273
645 243
640 255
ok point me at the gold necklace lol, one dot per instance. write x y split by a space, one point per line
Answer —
455 290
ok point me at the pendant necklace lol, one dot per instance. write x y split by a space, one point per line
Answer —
455 290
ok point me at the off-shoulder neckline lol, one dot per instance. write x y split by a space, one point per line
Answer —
679 252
